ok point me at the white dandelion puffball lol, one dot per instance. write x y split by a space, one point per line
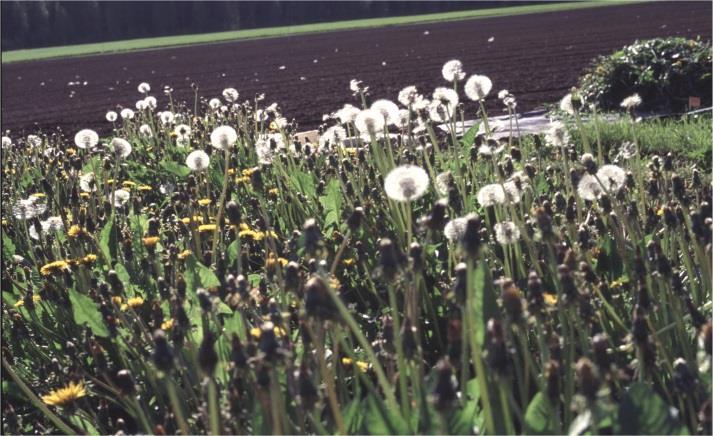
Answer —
503 93
369 121
477 87
443 182
612 177
589 187
29 208
230 95
144 87
150 102
121 197
214 103
86 138
455 229
490 195
183 131
348 113
406 183
332 136
387 109
512 191
198 160
265 154
453 70
34 141
145 130
141 105
87 182
507 233
557 135
566 104
52 224
127 114
6 142
408 96
354 85
631 102
111 116
166 117
223 137
120 147
443 106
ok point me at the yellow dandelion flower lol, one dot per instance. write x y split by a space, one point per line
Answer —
351 150
53 267
71 151
184 254
244 226
66 395
272 261
167 325
273 125
144 188
204 228
550 299
133 303
250 234
116 300
255 332
75 231
195 219
88 259
231 171
150 241
4 222
109 181
659 212
273 191
334 283
38 195
249 171
361 365
349 262
84 194
36 298
244 179
128 184
205 201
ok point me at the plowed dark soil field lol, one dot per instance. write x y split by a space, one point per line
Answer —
536 57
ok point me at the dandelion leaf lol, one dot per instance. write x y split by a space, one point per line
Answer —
469 417
176 169
332 203
85 312
468 138
304 183
540 416
380 420
642 411
8 248
107 240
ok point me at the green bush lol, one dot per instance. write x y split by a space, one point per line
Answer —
663 71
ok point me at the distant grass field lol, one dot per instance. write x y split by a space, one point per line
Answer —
170 41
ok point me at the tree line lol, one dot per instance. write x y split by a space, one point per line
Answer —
51 23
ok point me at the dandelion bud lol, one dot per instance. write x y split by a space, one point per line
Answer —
355 219
125 382
390 259
318 303
590 165
696 179
552 378
460 285
640 329
162 355
534 290
652 188
416 255
497 355
510 297
600 344
237 353
232 211
116 286
471 237
292 276
678 185
544 222
445 391
587 378
683 379
569 288
263 376
312 236
207 357
153 227
204 299
668 162
408 338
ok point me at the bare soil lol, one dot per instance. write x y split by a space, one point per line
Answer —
536 57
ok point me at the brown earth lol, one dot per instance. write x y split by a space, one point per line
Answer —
536 57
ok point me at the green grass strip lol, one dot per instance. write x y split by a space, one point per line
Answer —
270 32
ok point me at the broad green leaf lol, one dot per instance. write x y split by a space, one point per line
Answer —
8 248
235 325
207 277
353 416
464 420
175 168
304 183
107 240
468 138
332 202
540 417
380 420
642 411
232 253
484 304
85 312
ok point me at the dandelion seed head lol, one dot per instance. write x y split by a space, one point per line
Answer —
406 183
566 104
369 122
443 105
120 147
408 96
388 110
223 137
477 87
455 229
111 116
150 102
144 87
631 102
589 187
347 114
197 160
557 135
29 208
230 95
182 131
86 138
145 130
513 193
612 177
490 195
334 135
443 182
167 117
87 182
453 70
6 142
121 197
127 114
214 103
507 233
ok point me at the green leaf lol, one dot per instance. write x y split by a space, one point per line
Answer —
235 325
107 240
175 168
642 411
332 202
484 300
304 183
464 420
8 248
232 253
94 165
353 418
540 417
85 312
207 277
468 138
380 420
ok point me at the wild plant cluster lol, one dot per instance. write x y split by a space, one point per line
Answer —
209 271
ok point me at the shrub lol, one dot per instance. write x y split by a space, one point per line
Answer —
663 71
